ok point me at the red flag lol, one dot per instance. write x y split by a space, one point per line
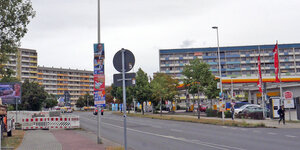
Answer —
276 62
259 83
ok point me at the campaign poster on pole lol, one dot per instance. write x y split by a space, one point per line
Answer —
289 101
99 76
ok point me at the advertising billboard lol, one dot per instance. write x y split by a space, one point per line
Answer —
99 76
10 93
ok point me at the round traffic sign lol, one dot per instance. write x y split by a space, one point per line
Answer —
129 60
288 95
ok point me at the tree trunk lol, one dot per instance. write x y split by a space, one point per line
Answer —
160 106
153 109
198 105
142 108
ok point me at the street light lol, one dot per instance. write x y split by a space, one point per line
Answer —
215 27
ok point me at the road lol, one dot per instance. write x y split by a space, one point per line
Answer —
152 134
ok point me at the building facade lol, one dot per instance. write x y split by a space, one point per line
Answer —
24 63
238 65
55 80
58 80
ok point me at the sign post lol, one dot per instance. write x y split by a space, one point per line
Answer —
125 65
289 102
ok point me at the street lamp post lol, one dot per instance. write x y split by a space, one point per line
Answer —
221 95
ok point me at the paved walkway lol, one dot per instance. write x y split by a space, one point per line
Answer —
39 140
58 140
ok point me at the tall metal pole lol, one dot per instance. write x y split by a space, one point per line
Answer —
124 97
279 75
220 71
99 141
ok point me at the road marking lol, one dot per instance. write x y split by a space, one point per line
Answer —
272 133
212 145
176 130
290 136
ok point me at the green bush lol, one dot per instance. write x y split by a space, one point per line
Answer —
211 113
226 113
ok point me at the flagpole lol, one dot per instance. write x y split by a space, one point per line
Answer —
279 74
262 89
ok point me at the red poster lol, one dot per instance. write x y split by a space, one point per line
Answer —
99 82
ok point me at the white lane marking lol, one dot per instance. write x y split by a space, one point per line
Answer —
272 133
216 146
290 136
176 130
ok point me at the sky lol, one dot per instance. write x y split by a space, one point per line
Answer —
64 31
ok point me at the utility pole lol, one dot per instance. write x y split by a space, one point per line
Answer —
99 141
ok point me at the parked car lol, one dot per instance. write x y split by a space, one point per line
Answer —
253 109
69 110
239 110
203 108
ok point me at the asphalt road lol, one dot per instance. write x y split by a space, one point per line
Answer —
152 134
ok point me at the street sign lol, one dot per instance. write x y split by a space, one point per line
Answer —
289 101
129 79
128 62
288 95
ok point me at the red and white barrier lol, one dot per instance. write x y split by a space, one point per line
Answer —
51 122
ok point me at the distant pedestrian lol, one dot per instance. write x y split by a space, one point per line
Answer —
281 113
232 111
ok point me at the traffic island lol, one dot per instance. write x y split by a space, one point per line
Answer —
201 120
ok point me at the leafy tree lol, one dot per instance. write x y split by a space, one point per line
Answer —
51 101
163 87
15 16
212 91
33 96
199 77
80 102
89 99
142 91
108 97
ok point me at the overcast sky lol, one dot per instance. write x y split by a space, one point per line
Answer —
63 31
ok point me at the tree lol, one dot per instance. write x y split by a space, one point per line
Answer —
163 87
89 99
142 91
51 101
108 97
80 102
199 77
212 90
33 96
15 16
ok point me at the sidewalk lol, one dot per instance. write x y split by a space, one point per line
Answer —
61 140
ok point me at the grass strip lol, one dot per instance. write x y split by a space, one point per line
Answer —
114 148
13 141
201 120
